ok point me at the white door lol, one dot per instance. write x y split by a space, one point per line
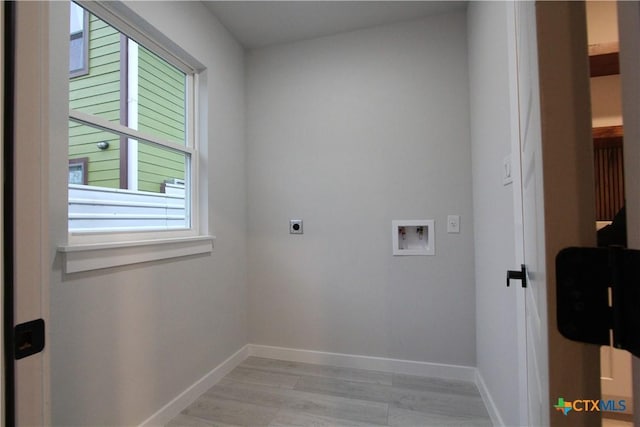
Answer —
550 86
532 211
629 28
30 184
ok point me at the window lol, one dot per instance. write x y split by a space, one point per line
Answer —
78 171
78 41
131 122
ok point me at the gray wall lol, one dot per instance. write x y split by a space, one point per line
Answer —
126 341
493 206
349 132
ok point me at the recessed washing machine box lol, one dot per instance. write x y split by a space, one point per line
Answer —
413 237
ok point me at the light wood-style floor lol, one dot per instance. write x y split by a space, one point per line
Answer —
267 392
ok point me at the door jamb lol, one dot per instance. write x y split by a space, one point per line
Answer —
569 199
629 31
516 173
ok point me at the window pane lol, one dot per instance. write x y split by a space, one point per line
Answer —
161 95
76 54
98 92
116 183
77 40
76 173
159 167
112 162
103 163
76 19
154 89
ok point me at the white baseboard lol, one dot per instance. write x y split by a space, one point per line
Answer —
397 366
496 419
191 394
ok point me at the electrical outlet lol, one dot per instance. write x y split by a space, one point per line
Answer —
453 224
295 226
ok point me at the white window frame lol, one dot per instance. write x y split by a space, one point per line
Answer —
89 250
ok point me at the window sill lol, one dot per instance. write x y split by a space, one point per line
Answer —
88 257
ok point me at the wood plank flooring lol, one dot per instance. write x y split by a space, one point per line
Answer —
276 393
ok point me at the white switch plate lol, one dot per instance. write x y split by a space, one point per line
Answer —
506 170
453 224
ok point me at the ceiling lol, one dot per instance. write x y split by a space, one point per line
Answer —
257 24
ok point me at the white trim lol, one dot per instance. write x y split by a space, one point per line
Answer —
191 394
396 366
518 209
193 196
191 98
494 414
629 28
78 258
132 113
117 128
122 18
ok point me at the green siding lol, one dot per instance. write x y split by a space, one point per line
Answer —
156 165
161 112
98 93
103 165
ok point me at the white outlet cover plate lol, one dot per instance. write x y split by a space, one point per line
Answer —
295 226
453 224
